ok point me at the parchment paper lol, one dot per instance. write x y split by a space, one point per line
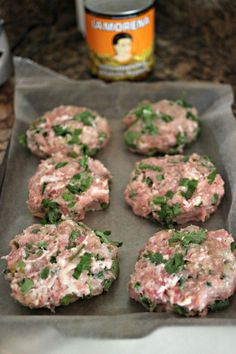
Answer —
111 314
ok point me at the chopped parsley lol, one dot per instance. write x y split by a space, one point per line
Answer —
219 305
61 164
211 177
147 303
44 185
84 162
180 310
102 137
168 212
45 273
65 300
21 266
52 212
80 182
26 285
137 286
35 231
192 117
233 246
145 111
131 137
190 185
146 166
103 238
72 238
83 265
107 284
86 117
166 117
160 177
60 131
75 137
175 263
148 181
132 194
156 258
214 199
187 237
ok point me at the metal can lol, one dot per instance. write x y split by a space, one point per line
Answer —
120 38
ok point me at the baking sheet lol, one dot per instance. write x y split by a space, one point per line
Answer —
112 314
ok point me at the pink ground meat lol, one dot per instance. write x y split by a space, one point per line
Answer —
189 271
68 129
51 265
175 189
66 187
162 127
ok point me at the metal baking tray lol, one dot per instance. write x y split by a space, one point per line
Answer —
111 315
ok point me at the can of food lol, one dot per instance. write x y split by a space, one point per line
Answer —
120 38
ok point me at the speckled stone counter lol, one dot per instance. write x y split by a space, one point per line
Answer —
185 50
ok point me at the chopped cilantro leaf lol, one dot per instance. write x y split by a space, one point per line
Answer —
107 284
65 300
211 177
52 212
233 246
45 273
183 103
60 131
187 237
146 166
214 199
166 117
219 305
75 137
83 265
26 285
103 238
156 258
102 137
80 183
175 263
131 137
84 162
180 310
21 265
35 231
192 117
85 117
190 185
72 238
61 164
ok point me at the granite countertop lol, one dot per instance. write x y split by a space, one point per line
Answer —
184 50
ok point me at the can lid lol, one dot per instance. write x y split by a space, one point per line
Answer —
117 7
6 65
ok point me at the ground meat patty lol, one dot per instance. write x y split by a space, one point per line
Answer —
175 189
162 127
68 187
51 265
188 271
68 129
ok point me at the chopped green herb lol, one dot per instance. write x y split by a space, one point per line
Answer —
26 285
219 305
22 138
44 185
233 246
208 283
144 110
181 282
107 284
175 263
65 300
190 185
35 231
211 177
84 162
45 273
61 164
169 212
83 265
80 183
169 194
86 117
148 181
75 137
72 238
147 303
214 199
132 194
192 117
187 237
156 258
180 310
137 286
73 155
102 137
60 131
104 205
52 212
159 200
183 103
160 177
42 245
21 265
166 117
145 166
68 197
150 128
103 238
131 137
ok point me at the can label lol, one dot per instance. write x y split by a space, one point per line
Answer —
120 48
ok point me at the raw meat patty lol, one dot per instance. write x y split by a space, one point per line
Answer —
175 189
66 187
189 271
68 129
162 127
51 265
